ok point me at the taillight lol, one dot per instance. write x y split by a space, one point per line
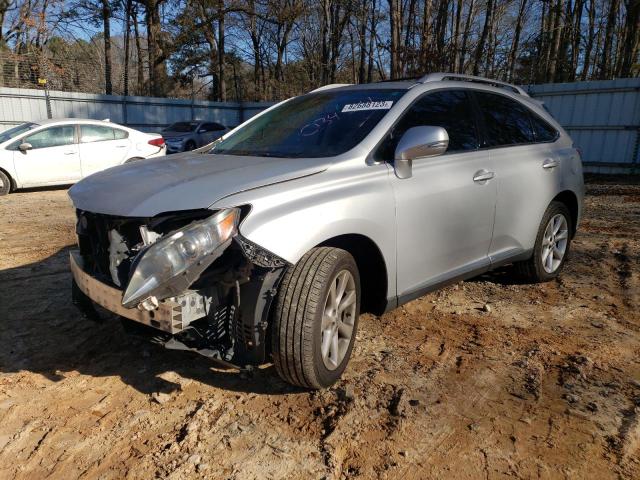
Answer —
157 142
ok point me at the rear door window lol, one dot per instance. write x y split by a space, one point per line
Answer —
506 122
449 109
96 133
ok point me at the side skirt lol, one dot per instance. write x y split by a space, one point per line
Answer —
400 300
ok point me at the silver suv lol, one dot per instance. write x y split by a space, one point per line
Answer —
350 199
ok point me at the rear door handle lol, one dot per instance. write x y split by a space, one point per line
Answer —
122 146
483 176
69 153
550 163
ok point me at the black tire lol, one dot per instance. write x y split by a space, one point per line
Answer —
133 159
190 145
297 318
5 184
532 270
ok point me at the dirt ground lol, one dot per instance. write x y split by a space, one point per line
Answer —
489 378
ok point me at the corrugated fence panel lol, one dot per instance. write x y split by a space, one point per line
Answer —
603 119
143 113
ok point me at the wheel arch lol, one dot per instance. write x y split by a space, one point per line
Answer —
372 268
12 181
570 200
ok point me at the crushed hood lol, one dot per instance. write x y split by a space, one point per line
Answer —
182 182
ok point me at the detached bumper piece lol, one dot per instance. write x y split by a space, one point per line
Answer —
170 316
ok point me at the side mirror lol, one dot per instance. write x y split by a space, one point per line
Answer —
419 142
23 147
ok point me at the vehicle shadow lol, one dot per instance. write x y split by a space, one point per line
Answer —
45 189
42 332
501 276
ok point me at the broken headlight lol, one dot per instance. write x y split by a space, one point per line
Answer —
183 253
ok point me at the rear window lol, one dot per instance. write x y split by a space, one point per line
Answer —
182 127
99 133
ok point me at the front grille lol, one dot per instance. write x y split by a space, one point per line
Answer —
93 239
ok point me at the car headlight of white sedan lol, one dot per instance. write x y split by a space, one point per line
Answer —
171 264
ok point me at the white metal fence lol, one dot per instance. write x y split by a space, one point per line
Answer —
19 105
602 117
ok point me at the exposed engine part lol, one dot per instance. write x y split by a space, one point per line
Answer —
149 304
194 306
149 237
118 251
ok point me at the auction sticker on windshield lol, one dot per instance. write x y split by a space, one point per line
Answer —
357 107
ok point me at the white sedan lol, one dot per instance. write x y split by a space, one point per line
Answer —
61 152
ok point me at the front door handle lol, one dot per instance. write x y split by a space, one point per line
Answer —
482 176
550 163
69 153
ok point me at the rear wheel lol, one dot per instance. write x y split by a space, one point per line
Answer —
5 183
552 245
316 318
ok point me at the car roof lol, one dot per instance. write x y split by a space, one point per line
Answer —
53 121
432 79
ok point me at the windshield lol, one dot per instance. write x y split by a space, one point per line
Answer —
322 124
15 131
181 127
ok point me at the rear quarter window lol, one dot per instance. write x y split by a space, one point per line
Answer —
542 130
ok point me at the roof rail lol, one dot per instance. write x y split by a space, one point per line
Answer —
330 86
439 77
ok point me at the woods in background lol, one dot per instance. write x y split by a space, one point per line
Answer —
273 49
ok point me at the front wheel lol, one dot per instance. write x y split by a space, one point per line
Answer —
316 318
552 245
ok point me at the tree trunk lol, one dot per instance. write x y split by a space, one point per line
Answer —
516 39
456 37
363 18
157 56
106 23
555 43
139 57
372 39
607 50
325 29
465 36
127 46
395 19
222 87
576 35
590 36
425 46
632 40
483 37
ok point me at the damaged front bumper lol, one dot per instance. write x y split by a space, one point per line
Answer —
223 314
171 316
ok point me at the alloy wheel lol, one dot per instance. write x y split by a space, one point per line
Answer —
554 243
338 319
